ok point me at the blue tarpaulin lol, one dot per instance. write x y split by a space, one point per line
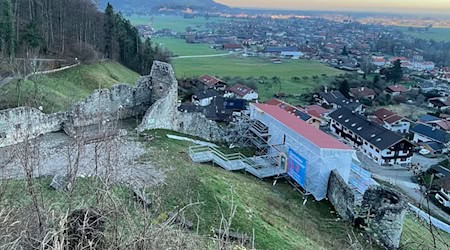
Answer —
297 167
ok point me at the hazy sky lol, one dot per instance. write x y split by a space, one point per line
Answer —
441 6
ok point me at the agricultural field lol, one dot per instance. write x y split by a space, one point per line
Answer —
234 66
57 91
180 48
256 68
177 23
437 34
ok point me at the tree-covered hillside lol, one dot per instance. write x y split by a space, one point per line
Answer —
68 29
139 6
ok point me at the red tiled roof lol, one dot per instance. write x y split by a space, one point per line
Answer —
362 92
209 80
319 109
444 125
383 113
240 90
379 60
387 116
314 135
397 88
393 119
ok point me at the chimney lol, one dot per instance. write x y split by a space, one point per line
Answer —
326 89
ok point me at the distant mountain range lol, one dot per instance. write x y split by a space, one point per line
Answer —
153 5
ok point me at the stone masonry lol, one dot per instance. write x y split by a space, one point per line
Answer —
155 95
20 124
381 212
163 114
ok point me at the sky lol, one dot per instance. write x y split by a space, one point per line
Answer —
398 6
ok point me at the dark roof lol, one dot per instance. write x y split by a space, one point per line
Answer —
235 104
440 101
232 46
425 85
281 49
349 104
206 93
432 133
373 133
428 118
332 96
436 146
443 183
441 170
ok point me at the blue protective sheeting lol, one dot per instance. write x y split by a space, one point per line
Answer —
297 168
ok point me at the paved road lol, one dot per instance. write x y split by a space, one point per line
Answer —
401 178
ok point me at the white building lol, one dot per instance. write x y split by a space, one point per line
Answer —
308 154
392 121
292 54
378 143
242 92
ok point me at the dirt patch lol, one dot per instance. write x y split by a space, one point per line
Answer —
119 159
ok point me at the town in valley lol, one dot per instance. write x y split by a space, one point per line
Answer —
224 124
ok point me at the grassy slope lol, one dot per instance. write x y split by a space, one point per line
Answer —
55 92
276 213
437 34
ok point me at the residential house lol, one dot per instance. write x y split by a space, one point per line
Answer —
243 92
335 99
426 118
296 111
395 90
426 86
379 62
212 82
424 133
378 143
220 109
391 121
362 93
204 97
318 110
441 103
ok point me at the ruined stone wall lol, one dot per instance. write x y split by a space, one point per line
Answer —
383 211
120 102
341 196
19 124
163 114
380 213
